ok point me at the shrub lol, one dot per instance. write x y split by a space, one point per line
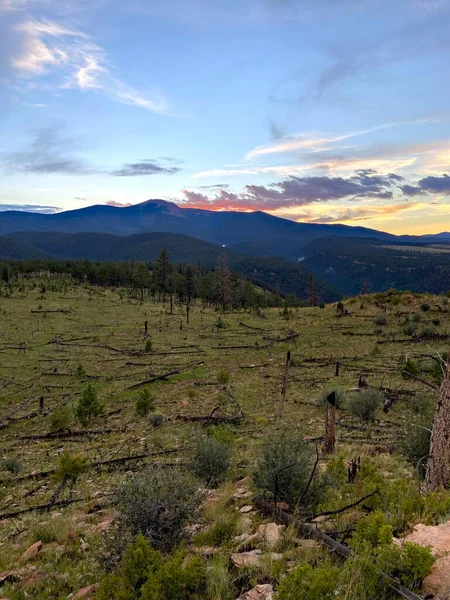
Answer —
436 321
409 330
428 333
211 459
339 395
424 307
416 446
409 367
306 583
223 377
159 503
156 419
222 433
224 529
71 466
80 371
148 345
422 404
381 319
145 402
60 419
11 464
89 405
145 574
364 404
416 317
285 467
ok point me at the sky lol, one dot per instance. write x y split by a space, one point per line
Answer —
330 111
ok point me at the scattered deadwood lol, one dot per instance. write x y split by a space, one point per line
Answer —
46 506
333 545
163 376
348 506
209 419
241 324
65 311
420 380
68 434
101 463
289 338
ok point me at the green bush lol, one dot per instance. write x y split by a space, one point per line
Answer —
148 345
223 377
156 419
11 464
424 307
222 433
306 583
145 574
61 419
80 372
416 445
89 405
409 367
145 402
381 319
224 529
71 466
211 459
364 404
428 333
416 317
159 503
408 562
285 466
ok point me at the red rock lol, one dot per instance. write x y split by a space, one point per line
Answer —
32 551
85 593
259 592
32 580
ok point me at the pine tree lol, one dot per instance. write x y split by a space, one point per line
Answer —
163 270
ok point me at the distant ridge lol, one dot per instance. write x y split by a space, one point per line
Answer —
255 233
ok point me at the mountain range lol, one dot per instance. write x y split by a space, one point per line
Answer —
256 233
274 252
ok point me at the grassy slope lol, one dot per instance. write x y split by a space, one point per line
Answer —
100 318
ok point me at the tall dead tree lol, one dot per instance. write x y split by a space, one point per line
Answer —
284 385
438 470
330 424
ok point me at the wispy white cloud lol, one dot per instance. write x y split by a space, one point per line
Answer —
49 48
319 142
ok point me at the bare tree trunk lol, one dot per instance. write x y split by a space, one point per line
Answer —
438 471
146 329
330 424
284 385
187 313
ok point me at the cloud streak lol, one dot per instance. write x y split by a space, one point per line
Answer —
147 167
46 48
33 208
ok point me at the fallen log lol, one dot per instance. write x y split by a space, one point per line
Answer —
332 544
46 506
163 376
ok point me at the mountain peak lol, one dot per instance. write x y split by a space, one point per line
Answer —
158 205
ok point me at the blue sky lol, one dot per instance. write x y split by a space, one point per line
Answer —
315 110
